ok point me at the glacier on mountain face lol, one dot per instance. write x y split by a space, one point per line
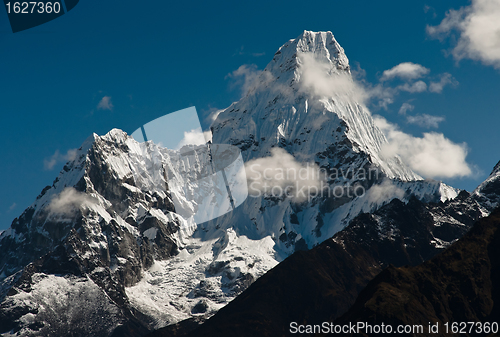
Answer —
118 229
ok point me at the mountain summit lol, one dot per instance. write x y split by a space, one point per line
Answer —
305 105
306 102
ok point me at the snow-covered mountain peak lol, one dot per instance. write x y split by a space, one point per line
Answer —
306 102
322 45
487 192
284 72
115 135
496 169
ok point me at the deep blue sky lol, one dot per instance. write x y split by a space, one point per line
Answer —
157 57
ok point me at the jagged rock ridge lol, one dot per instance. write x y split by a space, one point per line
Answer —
459 285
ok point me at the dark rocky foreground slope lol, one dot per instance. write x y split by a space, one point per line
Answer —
319 285
461 284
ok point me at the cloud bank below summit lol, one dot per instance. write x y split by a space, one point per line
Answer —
68 201
432 155
281 172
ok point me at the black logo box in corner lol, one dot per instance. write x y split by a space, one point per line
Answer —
28 14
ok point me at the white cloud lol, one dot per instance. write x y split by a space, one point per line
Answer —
105 104
419 86
384 191
211 115
14 205
194 137
68 201
250 80
425 120
357 72
246 76
446 79
432 155
405 71
452 21
405 108
478 26
385 102
49 163
318 78
383 94
281 174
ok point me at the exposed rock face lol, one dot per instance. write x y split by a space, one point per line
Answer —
319 285
92 230
85 238
487 193
460 285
